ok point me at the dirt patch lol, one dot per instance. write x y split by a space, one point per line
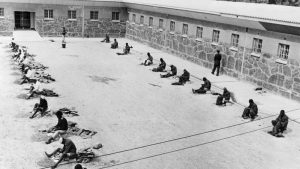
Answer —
105 80
73 55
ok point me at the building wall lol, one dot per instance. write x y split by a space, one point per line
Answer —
264 71
53 27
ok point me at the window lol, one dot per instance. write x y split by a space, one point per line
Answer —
94 15
133 18
199 32
150 21
72 14
161 23
172 26
142 20
48 14
185 29
283 51
1 12
215 36
235 40
257 45
116 16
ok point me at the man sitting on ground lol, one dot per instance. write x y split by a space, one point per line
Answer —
40 107
28 76
161 67
126 50
60 128
34 89
225 96
204 87
250 111
106 39
173 72
149 60
183 78
68 151
280 124
115 45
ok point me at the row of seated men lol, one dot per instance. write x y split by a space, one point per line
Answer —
115 45
280 124
69 148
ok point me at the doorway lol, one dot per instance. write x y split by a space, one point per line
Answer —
22 20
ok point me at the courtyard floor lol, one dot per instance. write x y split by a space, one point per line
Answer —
142 120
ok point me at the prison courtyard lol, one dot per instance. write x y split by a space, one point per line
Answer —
141 120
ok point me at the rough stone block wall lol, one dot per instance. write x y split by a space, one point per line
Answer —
263 71
6 27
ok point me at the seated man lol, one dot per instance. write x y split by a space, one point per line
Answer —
106 39
204 87
280 124
60 128
161 67
78 166
68 151
149 60
34 89
173 72
250 111
41 107
225 96
28 77
183 78
126 50
115 44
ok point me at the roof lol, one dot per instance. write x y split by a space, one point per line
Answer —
250 11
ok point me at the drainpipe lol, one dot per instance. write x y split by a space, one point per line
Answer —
244 52
82 31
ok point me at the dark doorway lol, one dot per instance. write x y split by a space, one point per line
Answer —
22 20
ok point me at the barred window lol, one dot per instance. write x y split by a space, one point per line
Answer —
257 45
185 29
150 21
161 23
133 18
1 12
71 14
199 32
172 26
235 40
283 51
142 20
116 16
94 15
215 36
48 13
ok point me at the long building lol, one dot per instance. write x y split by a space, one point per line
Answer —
257 44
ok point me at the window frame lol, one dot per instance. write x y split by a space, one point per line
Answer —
142 20
213 39
184 31
115 16
235 40
150 21
172 26
161 24
257 45
92 14
283 54
48 13
71 13
197 32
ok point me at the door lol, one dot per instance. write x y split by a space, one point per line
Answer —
22 20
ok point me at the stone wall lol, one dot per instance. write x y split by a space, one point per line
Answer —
6 26
263 71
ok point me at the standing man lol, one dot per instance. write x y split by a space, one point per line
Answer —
64 32
217 62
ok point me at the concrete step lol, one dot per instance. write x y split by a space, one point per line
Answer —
26 35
